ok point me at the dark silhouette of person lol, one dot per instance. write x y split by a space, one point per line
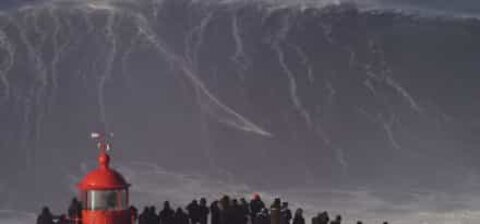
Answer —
360 222
224 202
245 210
256 205
181 217
385 222
338 220
215 213
167 214
298 218
285 214
276 203
74 211
225 210
275 215
143 217
237 213
133 214
323 218
194 212
203 211
152 216
45 216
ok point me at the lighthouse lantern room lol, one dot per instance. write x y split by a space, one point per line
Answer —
104 191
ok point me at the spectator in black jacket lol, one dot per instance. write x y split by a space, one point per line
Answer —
194 212
167 214
245 210
45 217
75 210
256 205
181 217
285 214
215 213
298 218
203 211
143 217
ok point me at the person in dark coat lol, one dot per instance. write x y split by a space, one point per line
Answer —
245 210
256 205
181 217
45 217
203 211
75 210
323 218
237 213
143 218
167 214
194 212
360 222
152 216
338 220
224 202
285 214
298 218
215 213
225 210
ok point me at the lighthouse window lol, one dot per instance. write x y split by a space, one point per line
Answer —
106 200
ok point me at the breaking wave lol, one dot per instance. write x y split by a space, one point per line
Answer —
364 97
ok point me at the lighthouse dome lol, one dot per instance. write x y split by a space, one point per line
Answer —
103 178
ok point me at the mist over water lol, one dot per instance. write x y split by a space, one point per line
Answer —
354 108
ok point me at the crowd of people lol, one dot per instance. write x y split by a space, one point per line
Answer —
73 215
223 211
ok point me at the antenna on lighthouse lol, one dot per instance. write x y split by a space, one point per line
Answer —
103 140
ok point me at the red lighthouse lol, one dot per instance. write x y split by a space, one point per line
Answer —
104 191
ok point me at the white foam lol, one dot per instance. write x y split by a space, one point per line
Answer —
154 184
16 217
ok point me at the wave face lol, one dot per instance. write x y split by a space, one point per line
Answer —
331 97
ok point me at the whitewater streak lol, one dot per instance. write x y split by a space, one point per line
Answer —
115 11
47 27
